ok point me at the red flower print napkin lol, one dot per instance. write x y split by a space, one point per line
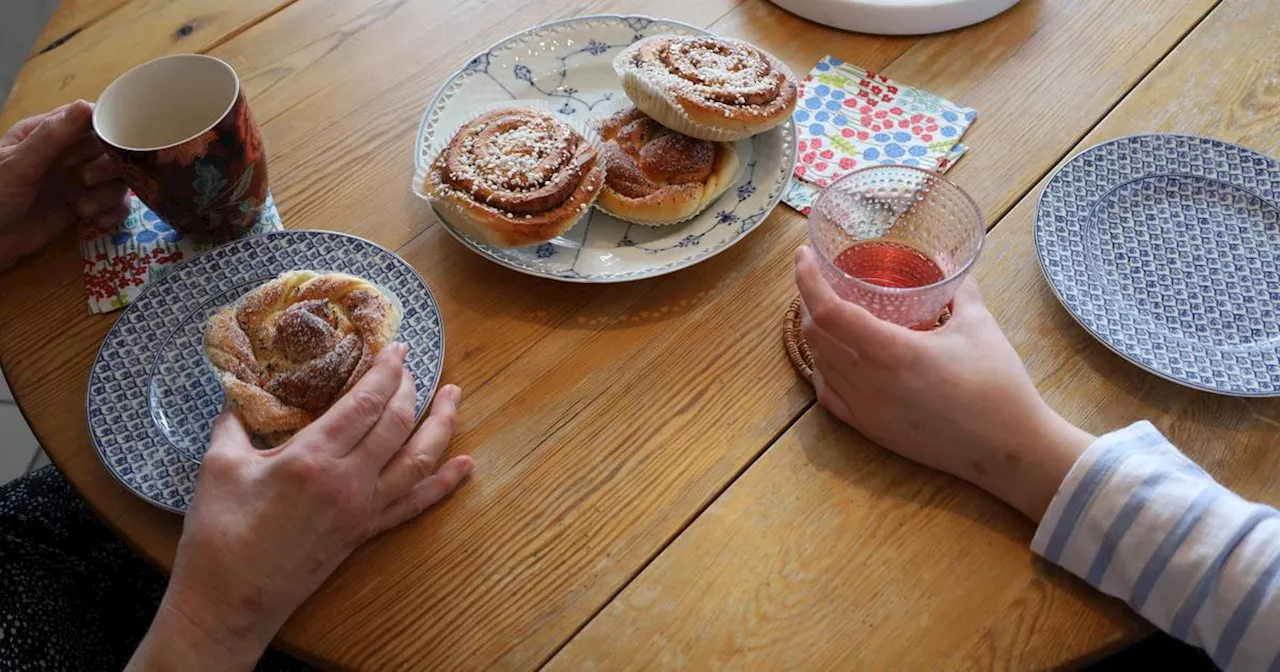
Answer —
848 118
121 260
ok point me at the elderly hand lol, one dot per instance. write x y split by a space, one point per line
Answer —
268 527
956 399
53 173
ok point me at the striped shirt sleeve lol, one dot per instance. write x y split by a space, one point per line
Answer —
1141 522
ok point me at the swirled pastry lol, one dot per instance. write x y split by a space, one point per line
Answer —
654 175
287 350
515 177
711 88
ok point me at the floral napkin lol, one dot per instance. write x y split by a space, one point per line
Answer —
119 261
848 118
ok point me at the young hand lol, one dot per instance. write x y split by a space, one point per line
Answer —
54 173
956 399
268 527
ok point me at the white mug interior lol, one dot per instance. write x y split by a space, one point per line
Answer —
165 102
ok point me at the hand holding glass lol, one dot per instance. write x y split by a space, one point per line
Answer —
897 241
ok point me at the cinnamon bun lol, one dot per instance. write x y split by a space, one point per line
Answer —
711 88
515 177
654 175
290 348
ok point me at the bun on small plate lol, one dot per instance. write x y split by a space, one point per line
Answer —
287 350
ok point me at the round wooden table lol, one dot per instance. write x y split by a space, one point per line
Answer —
655 486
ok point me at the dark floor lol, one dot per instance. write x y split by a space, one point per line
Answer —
1159 652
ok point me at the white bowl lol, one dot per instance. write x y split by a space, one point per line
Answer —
896 17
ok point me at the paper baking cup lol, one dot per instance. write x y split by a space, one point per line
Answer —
441 136
453 214
613 107
658 102
600 114
653 225
728 185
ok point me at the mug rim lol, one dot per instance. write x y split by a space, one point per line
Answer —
235 77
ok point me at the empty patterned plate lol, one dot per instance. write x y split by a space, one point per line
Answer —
153 395
567 66
1167 249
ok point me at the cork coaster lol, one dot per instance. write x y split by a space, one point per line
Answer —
798 348
793 337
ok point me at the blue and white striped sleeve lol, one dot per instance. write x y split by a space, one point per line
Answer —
1141 522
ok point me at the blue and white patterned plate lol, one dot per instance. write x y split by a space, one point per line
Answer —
569 66
1167 249
153 395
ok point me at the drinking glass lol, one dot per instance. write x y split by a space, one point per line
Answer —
896 240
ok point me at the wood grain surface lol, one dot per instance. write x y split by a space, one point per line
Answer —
83 63
832 553
603 419
72 17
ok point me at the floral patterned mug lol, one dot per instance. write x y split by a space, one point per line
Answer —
180 130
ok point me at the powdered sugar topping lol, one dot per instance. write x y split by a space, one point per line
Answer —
718 71
515 161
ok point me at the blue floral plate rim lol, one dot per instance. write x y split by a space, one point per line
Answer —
1084 320
435 98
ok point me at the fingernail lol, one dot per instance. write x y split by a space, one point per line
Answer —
454 391
402 349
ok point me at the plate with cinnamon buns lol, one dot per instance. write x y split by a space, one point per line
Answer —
608 148
274 327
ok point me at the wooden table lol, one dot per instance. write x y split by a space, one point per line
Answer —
656 488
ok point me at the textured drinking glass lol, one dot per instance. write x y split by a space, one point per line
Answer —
897 241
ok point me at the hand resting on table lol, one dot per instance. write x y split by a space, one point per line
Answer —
268 527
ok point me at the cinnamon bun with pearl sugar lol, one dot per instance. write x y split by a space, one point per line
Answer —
515 177
656 176
289 349
710 88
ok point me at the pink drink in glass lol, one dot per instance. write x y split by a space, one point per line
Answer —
897 241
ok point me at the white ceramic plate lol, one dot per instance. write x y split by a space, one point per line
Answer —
568 65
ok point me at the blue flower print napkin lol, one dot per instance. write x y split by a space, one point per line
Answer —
848 118
119 261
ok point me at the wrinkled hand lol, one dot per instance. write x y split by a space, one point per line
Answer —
266 528
54 173
956 399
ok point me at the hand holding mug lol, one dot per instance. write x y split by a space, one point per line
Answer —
180 131
52 174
